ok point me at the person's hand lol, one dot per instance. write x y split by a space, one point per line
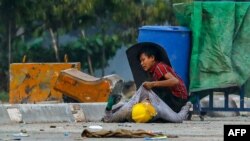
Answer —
148 85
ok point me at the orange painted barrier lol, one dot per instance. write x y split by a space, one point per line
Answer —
83 87
34 82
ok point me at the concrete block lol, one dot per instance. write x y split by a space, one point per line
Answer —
93 111
15 114
77 112
39 113
4 115
116 83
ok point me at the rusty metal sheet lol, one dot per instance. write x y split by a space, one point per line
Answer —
83 87
34 82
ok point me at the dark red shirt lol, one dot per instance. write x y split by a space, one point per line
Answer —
160 69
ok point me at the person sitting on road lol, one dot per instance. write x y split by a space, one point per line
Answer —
168 98
165 82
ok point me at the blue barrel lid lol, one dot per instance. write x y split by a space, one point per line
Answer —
165 28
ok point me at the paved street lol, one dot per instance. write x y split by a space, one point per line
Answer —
211 129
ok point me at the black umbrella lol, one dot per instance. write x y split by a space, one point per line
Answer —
139 74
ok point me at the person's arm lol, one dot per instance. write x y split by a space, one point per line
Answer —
169 81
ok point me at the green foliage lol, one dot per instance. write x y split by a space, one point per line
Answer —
4 97
108 25
136 13
33 50
92 46
182 1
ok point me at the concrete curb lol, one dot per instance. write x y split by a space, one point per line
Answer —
48 113
32 113
93 111
58 112
4 115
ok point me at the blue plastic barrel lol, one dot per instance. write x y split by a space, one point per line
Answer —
176 41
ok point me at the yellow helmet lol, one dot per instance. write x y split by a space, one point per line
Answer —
143 112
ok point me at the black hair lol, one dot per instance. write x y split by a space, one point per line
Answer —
149 51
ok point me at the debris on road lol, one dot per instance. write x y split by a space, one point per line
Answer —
20 135
125 124
98 127
156 138
66 134
23 131
52 126
119 133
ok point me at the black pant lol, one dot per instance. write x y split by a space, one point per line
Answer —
175 103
